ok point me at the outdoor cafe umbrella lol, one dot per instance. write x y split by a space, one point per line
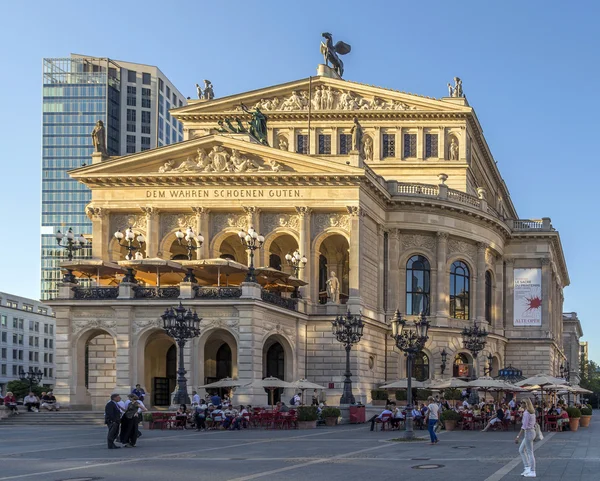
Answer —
225 383
304 384
451 383
208 271
486 383
270 383
266 275
403 384
146 269
101 270
540 380
575 389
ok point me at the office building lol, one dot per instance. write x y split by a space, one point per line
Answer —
133 101
27 330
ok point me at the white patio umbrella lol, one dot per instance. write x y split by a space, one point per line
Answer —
451 383
403 384
146 269
540 381
304 384
580 390
226 382
270 383
101 270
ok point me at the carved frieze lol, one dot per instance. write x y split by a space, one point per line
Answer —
269 221
221 160
79 325
168 222
94 212
327 98
140 325
221 222
230 324
123 221
412 241
456 246
323 221
278 328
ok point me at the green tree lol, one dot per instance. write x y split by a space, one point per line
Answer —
590 379
21 389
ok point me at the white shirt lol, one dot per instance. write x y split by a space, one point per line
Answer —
30 399
297 400
196 399
433 411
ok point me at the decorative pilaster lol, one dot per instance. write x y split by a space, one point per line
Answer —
356 219
394 272
304 247
420 143
377 144
546 287
202 226
101 234
152 231
442 299
380 269
253 220
509 274
480 293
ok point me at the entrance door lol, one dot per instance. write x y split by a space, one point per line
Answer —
171 368
161 392
276 366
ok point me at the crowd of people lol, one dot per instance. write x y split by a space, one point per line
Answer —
32 402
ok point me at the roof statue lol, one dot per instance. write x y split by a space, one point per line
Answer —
99 138
208 92
457 90
257 126
332 52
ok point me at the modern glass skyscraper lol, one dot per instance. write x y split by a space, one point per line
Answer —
133 101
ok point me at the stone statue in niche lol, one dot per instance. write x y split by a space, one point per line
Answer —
367 147
333 289
283 144
99 138
453 149
357 134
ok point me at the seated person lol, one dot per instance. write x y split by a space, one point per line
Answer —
181 416
496 419
32 402
283 408
217 418
10 401
385 412
200 412
417 416
242 418
397 417
229 415
47 402
563 420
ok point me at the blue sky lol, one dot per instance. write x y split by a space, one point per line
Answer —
530 70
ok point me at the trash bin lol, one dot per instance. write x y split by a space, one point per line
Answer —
357 414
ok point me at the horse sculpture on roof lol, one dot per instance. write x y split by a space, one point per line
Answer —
332 52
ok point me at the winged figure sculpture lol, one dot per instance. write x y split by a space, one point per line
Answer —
332 52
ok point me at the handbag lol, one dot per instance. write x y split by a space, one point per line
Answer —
538 433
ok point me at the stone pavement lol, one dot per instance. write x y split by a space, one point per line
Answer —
342 453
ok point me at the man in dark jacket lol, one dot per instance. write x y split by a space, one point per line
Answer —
112 419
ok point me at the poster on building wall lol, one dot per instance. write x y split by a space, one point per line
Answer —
527 297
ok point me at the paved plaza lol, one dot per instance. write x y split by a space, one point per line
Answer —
343 453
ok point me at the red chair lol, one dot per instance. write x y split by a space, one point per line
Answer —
385 419
551 423
159 419
468 422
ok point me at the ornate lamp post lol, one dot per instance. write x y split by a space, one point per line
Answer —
33 376
348 329
565 373
251 241
73 244
444 357
193 241
297 262
410 340
133 243
181 324
474 341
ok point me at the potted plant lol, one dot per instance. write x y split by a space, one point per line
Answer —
449 417
379 397
452 394
586 417
307 417
331 415
574 416
146 420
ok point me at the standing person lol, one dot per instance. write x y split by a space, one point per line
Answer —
139 392
195 399
216 400
10 401
432 416
129 422
32 402
112 418
528 430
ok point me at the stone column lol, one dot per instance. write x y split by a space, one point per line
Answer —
356 219
462 145
377 144
335 139
498 314
441 143
124 375
380 269
152 231
202 227
313 143
101 234
546 289
304 247
509 278
65 352
393 272
253 220
442 298
420 143
480 293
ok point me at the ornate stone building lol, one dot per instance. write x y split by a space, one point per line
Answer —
406 206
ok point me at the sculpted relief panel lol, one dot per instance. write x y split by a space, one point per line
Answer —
269 221
460 247
220 160
411 241
326 98
168 222
323 221
221 222
123 221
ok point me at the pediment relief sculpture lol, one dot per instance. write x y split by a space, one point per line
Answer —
220 159
327 98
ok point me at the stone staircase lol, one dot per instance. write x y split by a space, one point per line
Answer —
54 418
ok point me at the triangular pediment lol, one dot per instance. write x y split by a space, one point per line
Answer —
320 94
210 157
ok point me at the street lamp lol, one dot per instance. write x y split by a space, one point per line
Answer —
444 357
73 243
474 341
181 324
410 340
191 238
251 241
297 262
33 376
133 242
348 329
565 373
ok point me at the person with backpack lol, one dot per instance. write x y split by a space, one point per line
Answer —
296 400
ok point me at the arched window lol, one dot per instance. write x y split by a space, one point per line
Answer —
275 261
322 279
421 367
459 290
488 296
461 366
417 285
